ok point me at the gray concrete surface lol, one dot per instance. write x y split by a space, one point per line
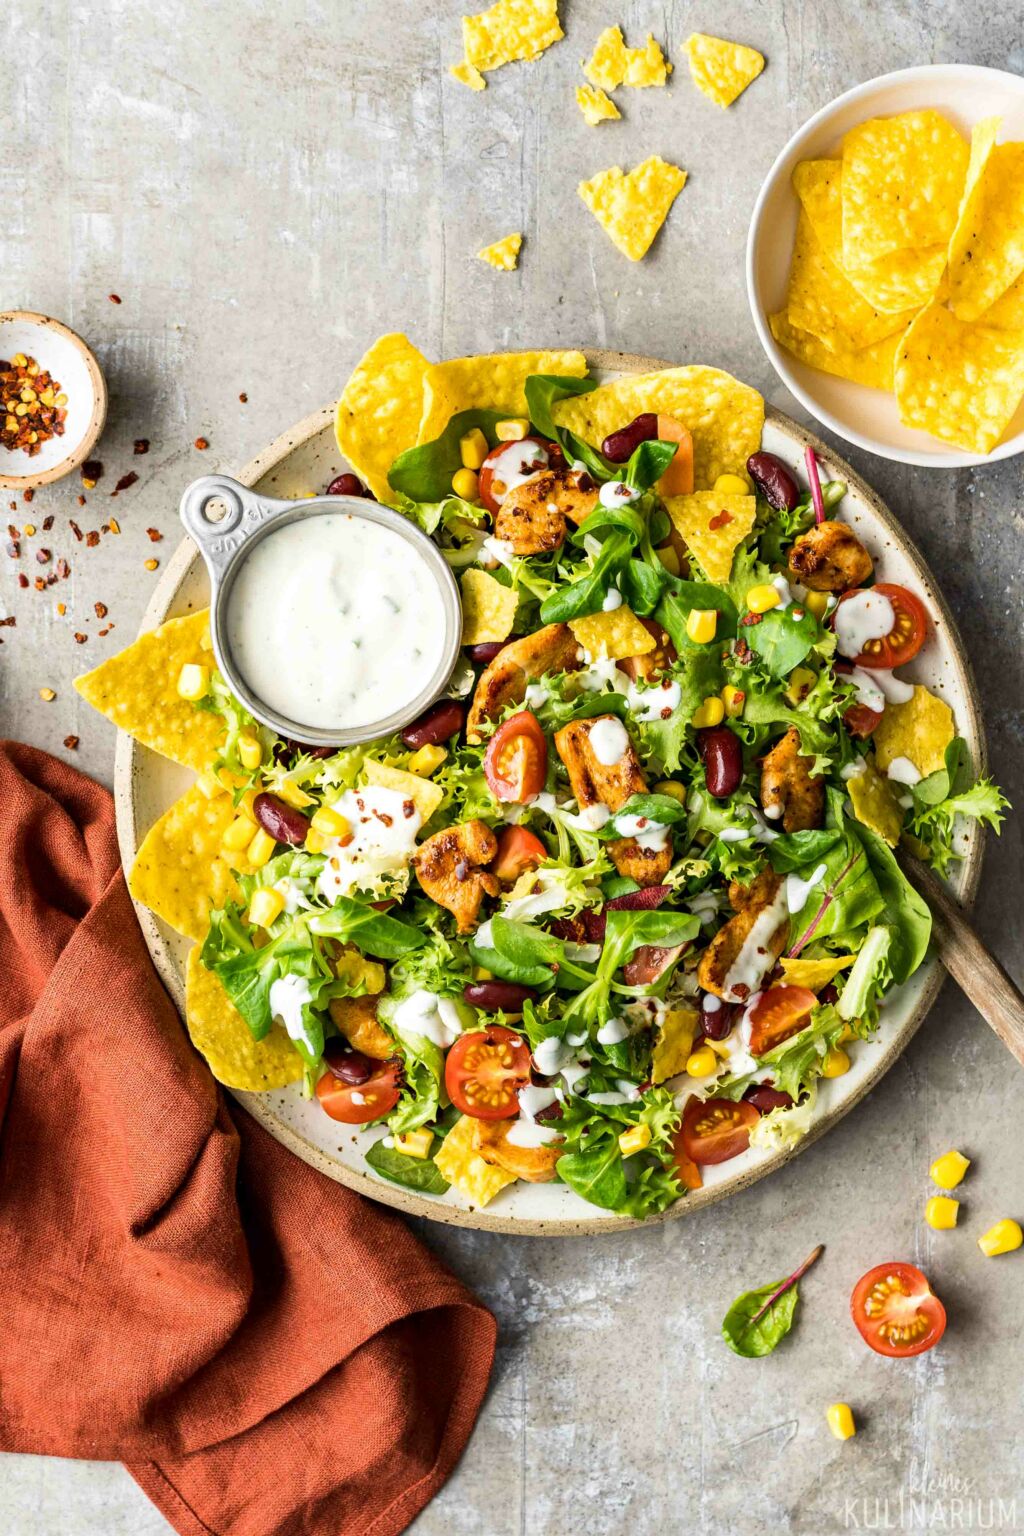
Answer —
267 188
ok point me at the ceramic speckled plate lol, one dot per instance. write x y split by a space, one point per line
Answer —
305 459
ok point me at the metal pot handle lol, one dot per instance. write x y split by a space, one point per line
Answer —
217 541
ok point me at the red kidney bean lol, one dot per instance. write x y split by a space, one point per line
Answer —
773 480
552 1112
437 724
829 994
284 823
348 1065
716 1023
484 654
723 760
346 485
619 446
494 995
766 1098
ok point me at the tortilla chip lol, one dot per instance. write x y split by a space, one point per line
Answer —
468 74
503 255
493 381
138 690
871 366
632 208
613 635
613 64
875 803
356 970
425 795
595 105
1007 313
921 730
379 410
903 178
712 525
179 871
722 70
822 300
960 381
677 1030
462 1166
902 280
510 30
813 974
725 417
488 608
219 1033
986 252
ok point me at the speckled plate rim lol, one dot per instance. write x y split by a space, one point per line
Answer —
129 760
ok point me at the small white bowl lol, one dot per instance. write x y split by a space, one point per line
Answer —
965 93
70 362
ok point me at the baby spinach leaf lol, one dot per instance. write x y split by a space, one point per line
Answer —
642 584
421 1174
624 519
781 639
587 594
680 597
597 1173
759 1320
425 473
795 850
543 390
376 933
647 463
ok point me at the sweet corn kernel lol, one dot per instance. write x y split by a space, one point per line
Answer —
261 849
47 695
840 1421
702 1063
513 430
193 681
634 1140
845 1035
415 1144
427 760
473 449
733 700
836 1063
250 753
732 485
948 1170
247 804
239 834
701 624
817 603
466 483
672 788
209 785
266 907
711 712
941 1212
1004 1237
316 842
331 823
292 794
801 681
763 597
669 559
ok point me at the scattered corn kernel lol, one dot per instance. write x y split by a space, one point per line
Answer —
941 1212
801 681
732 485
1004 1237
481 973
817 603
239 834
669 559
427 760
701 1063
47 695
711 712
836 1063
840 1421
948 1170
733 700
415 1144
292 794
763 597
701 624
331 823
193 681
266 907
634 1140
672 788
513 430
473 449
466 483
261 849
845 1035
316 842
250 752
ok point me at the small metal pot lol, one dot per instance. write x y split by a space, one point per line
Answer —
226 544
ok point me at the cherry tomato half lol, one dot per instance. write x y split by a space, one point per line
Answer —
518 849
524 458
355 1104
860 719
905 639
777 1014
485 1070
896 1311
516 760
687 1172
713 1130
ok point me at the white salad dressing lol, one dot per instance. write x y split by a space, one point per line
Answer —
429 1016
513 465
534 1100
613 1031
527 1133
612 600
609 740
895 689
384 826
650 835
601 672
861 617
748 969
656 703
781 586
902 770
550 1056
288 996
797 890
325 615
853 770
498 551
616 493
868 691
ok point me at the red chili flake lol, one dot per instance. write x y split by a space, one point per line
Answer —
106 631
101 610
720 520
142 445
751 618
62 569
28 495
80 639
92 471
81 501
125 482
92 538
75 528
40 583
115 298
14 549
244 398
154 535
9 622
44 556
201 443
12 530
71 742
22 579
48 523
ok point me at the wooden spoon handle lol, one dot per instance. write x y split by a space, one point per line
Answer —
977 972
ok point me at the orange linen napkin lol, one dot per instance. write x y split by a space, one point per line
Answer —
268 1353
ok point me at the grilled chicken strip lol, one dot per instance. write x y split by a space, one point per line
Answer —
756 907
595 782
532 517
830 558
552 649
788 791
450 868
536 1164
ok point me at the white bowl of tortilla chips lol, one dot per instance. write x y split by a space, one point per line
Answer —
898 320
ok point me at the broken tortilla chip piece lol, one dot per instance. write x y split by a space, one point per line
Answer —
631 208
424 794
493 381
503 255
986 252
138 690
875 804
713 524
596 106
673 1043
613 635
903 178
379 412
872 366
725 418
219 1033
959 380
613 64
179 871
814 974
508 31
488 608
919 730
463 1166
722 70
468 74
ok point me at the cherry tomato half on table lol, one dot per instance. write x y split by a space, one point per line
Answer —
356 1103
485 1070
778 1013
905 639
713 1130
516 760
526 457
518 849
896 1311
